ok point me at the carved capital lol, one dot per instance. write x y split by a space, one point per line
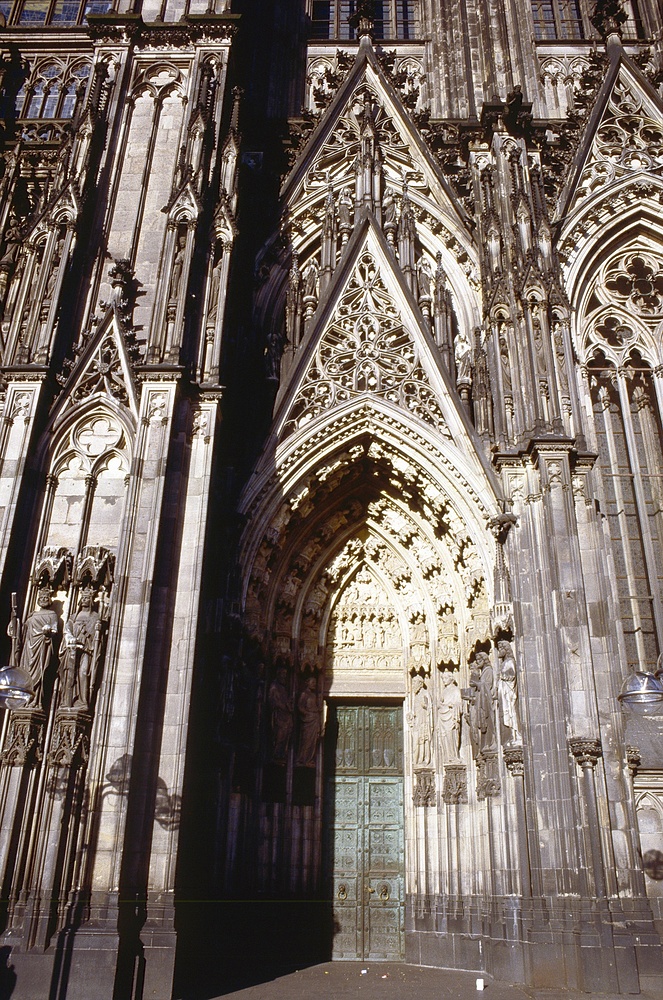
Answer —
633 759
424 788
454 788
585 750
514 758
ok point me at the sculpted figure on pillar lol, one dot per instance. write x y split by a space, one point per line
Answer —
80 652
39 631
178 266
308 707
420 718
449 712
282 716
480 698
507 690
345 210
463 358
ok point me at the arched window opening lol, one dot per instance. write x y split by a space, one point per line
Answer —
557 19
392 19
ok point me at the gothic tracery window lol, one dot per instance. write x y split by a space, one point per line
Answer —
59 13
623 314
392 19
555 19
52 91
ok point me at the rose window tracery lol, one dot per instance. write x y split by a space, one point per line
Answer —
637 281
366 349
625 306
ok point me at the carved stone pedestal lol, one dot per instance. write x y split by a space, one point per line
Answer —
70 743
24 742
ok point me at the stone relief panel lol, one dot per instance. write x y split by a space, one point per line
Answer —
365 643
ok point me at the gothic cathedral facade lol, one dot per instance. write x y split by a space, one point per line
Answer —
331 490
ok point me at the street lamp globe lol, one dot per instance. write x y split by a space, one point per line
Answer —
16 688
642 692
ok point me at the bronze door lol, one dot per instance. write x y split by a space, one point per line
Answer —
365 817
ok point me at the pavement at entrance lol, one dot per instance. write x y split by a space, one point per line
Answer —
386 981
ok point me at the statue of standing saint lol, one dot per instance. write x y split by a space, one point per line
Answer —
80 651
281 716
507 690
309 733
449 713
421 720
39 631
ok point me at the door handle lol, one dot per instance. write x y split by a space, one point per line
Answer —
370 888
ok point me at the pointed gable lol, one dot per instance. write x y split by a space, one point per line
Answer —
368 339
624 135
102 371
336 142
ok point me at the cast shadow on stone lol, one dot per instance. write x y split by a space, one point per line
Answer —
167 807
8 976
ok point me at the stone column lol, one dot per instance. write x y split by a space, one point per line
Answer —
587 752
514 759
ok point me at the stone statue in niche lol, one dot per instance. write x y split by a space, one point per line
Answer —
310 280
449 713
178 267
345 210
507 690
39 631
281 716
420 718
463 358
388 210
55 266
214 289
80 652
308 708
424 279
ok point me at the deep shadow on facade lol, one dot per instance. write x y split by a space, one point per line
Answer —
331 491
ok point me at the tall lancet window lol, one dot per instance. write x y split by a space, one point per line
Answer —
393 19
